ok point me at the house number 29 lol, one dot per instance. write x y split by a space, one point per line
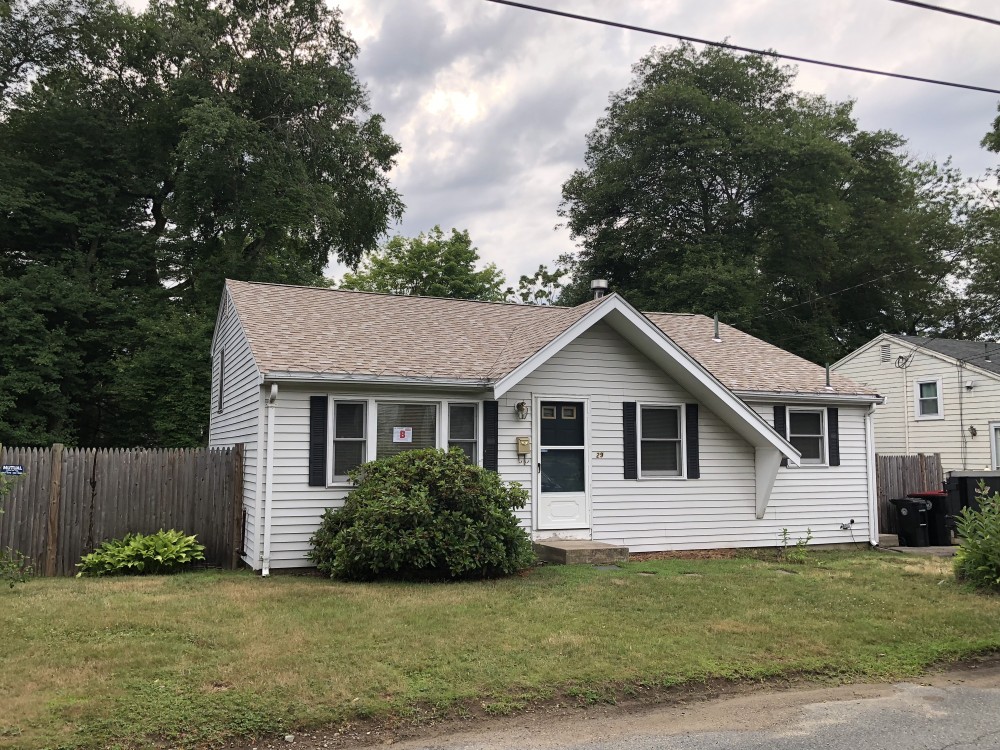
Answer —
599 454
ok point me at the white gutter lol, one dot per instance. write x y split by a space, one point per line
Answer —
785 397
331 377
873 530
269 479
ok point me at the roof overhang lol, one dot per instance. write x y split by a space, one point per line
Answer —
639 331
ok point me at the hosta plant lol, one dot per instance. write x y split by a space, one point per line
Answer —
143 554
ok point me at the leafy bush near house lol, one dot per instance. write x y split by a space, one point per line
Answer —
424 515
143 554
978 557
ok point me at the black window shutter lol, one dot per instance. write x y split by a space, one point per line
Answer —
780 425
691 436
833 425
491 436
631 440
318 406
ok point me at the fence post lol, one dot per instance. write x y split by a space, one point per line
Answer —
55 492
237 510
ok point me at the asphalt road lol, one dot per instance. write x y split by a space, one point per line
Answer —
951 711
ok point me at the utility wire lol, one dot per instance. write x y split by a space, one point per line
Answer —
737 48
949 11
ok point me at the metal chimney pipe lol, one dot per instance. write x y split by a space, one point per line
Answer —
599 287
828 377
717 338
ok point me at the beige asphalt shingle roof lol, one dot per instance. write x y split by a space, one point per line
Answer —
295 329
745 363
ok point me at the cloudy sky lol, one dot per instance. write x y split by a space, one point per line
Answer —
492 104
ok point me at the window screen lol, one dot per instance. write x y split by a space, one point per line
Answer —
392 418
805 432
930 406
348 437
462 429
660 441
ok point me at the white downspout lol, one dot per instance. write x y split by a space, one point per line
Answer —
269 479
258 493
873 530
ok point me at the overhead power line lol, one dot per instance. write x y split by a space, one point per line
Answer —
738 48
949 11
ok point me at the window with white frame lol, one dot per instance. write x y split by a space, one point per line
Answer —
349 444
807 433
462 429
928 399
660 453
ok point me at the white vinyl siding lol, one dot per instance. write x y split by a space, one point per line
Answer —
715 511
898 431
659 513
297 507
238 393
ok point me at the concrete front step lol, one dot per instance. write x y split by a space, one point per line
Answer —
580 553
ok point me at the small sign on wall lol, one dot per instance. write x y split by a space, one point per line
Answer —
402 434
12 470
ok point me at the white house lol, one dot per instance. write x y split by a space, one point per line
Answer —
941 396
646 431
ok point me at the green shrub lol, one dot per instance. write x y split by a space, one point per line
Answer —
139 554
424 515
978 557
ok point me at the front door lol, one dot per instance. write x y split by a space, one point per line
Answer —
562 466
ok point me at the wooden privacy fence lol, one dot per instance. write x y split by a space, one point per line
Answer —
69 500
898 476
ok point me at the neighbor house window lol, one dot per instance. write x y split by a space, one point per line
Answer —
660 441
405 427
928 393
349 440
462 429
807 433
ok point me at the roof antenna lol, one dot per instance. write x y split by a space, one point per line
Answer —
716 337
599 287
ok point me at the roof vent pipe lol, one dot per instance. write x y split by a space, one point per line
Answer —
599 287
716 338
828 378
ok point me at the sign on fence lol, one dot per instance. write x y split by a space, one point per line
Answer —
67 501
12 470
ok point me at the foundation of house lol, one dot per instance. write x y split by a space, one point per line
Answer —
580 553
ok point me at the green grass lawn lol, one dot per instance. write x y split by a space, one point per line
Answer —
205 656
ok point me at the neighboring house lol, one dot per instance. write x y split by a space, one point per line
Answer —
942 396
639 430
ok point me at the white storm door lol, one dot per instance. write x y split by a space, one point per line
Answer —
563 468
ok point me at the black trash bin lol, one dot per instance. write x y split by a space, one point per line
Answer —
939 518
961 487
911 521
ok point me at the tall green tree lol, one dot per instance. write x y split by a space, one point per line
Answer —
712 185
430 264
145 157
